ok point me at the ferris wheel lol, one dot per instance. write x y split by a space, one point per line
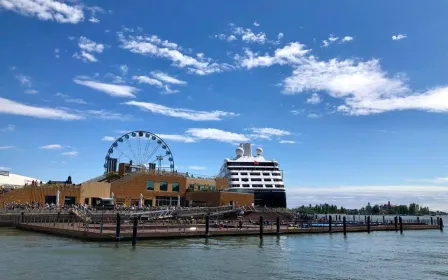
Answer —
141 150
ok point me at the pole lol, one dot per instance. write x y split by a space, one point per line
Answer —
344 223
102 222
441 224
432 221
401 225
329 223
278 225
134 231
261 227
118 228
368 224
207 225
396 223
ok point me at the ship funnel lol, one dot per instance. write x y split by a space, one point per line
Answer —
247 147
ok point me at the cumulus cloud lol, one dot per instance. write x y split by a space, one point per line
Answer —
177 138
110 89
155 47
24 80
364 86
15 108
399 37
314 99
187 114
87 48
216 134
50 10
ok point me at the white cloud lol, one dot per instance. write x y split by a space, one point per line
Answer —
31 91
93 10
14 108
108 138
363 86
182 113
195 167
256 24
267 132
399 37
110 89
435 197
280 36
107 115
25 81
148 80
287 142
167 78
70 100
124 69
314 116
154 46
45 10
168 90
89 45
314 99
177 138
85 56
9 128
6 147
249 36
4 168
297 112
70 154
51 147
94 20
216 134
57 53
347 39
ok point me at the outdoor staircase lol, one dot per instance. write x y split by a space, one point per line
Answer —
82 213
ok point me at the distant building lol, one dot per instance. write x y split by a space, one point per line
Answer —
10 180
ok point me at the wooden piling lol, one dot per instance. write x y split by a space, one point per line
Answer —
432 221
207 225
134 231
418 220
401 224
278 225
261 227
384 220
354 218
396 223
22 217
118 228
344 224
368 224
441 224
329 223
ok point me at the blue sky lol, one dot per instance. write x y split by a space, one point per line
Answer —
351 99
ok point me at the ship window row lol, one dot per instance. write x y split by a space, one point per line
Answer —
252 164
257 186
256 174
253 169
255 180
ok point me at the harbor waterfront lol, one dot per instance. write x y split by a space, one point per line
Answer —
379 255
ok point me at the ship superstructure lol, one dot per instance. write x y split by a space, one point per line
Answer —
253 173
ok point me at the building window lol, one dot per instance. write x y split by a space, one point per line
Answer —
256 179
150 185
245 180
201 187
255 174
243 173
175 187
235 186
191 187
246 186
268 180
268 186
235 179
266 174
163 186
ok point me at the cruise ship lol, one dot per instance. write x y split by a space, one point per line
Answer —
255 174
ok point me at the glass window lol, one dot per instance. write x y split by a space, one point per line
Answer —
163 186
201 188
191 187
175 187
150 185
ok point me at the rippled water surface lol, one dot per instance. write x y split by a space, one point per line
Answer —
380 255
